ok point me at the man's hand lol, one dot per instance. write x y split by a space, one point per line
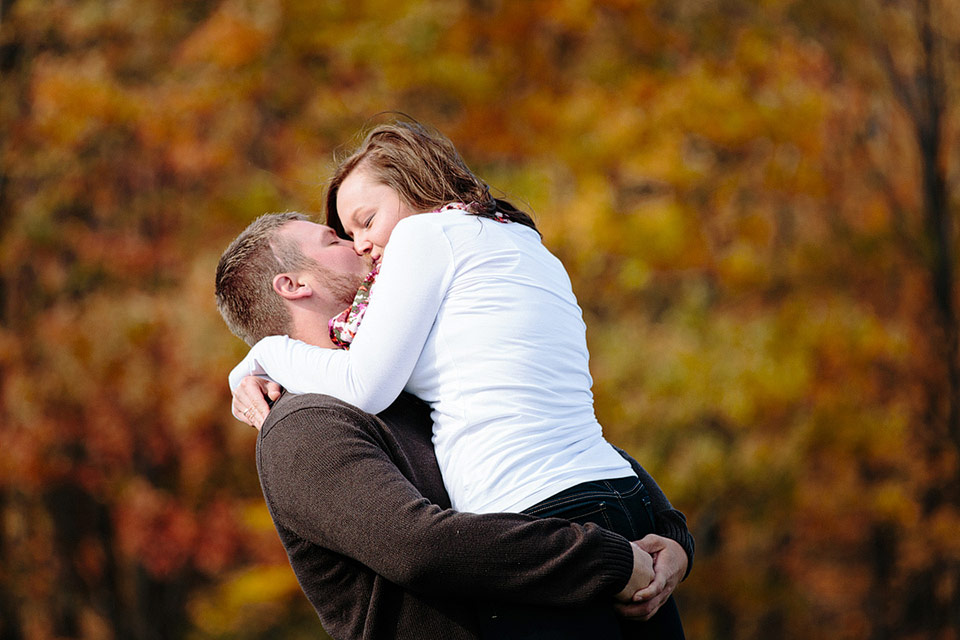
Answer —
642 576
249 400
669 567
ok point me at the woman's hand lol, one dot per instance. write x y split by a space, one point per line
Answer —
249 400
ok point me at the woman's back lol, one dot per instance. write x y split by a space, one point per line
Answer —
505 364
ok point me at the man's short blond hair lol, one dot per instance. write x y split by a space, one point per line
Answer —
244 286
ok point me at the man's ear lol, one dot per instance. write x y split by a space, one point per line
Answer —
290 287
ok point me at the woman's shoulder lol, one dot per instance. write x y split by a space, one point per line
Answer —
457 229
446 217
435 224
420 225
422 236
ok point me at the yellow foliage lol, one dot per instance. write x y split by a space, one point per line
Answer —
661 234
892 502
247 600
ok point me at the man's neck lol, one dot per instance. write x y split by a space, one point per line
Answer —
310 326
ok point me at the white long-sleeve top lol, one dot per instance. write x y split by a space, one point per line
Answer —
479 320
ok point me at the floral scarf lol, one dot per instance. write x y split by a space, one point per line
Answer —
343 327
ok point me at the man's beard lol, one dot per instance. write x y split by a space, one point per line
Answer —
342 287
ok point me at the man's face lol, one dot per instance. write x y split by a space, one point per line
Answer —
338 270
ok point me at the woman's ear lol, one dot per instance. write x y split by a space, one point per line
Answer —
290 287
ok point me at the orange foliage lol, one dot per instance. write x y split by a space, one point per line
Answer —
764 254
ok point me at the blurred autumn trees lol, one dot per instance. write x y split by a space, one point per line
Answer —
757 202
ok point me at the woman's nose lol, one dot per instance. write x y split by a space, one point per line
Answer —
361 246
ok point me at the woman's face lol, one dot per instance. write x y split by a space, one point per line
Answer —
369 211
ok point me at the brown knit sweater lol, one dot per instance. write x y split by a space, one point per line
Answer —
359 505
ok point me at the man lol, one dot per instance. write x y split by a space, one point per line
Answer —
359 503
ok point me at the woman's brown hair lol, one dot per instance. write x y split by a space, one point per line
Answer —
425 170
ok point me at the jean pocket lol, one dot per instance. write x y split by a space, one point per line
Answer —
581 509
636 500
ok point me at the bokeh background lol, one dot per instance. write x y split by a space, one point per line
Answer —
756 200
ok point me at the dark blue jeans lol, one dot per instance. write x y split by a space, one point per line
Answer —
621 505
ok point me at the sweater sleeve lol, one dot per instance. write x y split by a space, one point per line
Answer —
414 276
670 523
328 479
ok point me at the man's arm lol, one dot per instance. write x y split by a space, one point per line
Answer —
670 523
328 478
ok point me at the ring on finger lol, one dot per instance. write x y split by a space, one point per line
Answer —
247 412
